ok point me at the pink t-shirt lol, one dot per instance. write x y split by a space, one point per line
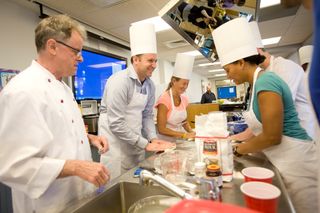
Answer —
166 100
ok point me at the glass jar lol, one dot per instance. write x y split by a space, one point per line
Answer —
200 169
214 172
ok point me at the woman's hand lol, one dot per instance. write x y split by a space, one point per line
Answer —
190 135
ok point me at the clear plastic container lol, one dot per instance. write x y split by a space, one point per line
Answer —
174 166
200 169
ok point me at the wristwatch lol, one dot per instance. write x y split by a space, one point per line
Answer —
235 152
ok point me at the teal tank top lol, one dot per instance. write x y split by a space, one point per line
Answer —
269 81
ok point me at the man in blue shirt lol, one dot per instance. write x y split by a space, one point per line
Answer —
126 114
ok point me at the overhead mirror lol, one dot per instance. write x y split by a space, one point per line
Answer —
195 20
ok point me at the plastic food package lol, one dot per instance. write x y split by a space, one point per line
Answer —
212 144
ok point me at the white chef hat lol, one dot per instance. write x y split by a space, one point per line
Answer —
256 33
234 40
142 38
183 66
305 54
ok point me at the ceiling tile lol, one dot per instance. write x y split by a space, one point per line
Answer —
275 27
121 14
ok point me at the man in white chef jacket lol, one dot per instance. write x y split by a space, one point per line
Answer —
45 153
294 76
126 113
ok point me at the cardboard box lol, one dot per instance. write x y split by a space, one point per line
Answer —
199 109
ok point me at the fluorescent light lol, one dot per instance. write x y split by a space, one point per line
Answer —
209 64
159 23
216 70
218 75
272 40
193 53
105 65
268 3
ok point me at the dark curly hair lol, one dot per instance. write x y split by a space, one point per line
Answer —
255 59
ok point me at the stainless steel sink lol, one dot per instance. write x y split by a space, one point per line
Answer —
119 198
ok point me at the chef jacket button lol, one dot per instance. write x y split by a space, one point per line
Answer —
49 80
81 141
61 101
72 121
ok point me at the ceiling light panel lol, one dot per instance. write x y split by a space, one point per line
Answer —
216 70
268 3
273 40
209 64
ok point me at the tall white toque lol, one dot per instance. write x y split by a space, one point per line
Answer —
305 54
183 66
234 40
256 33
142 38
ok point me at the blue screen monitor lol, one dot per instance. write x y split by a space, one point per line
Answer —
93 72
227 92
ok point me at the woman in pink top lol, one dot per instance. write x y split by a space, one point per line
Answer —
172 104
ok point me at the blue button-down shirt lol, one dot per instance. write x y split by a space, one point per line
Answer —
117 96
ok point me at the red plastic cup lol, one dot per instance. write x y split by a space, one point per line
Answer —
261 196
206 206
257 174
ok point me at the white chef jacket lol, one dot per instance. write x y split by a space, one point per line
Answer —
294 76
40 127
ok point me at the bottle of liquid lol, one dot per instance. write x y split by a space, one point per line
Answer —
214 172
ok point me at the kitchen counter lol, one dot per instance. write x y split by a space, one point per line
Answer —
230 193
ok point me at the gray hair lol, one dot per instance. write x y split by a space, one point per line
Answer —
59 27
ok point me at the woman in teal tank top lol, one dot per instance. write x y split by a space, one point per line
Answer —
272 118
275 130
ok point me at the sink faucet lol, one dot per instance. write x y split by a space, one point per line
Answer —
209 190
147 177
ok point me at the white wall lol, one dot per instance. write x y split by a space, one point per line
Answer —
17 44
194 91
165 70
17 24
295 57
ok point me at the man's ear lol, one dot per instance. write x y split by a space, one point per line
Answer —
51 46
135 58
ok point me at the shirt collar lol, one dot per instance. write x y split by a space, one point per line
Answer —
45 71
133 74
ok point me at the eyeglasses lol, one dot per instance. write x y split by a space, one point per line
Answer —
75 50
